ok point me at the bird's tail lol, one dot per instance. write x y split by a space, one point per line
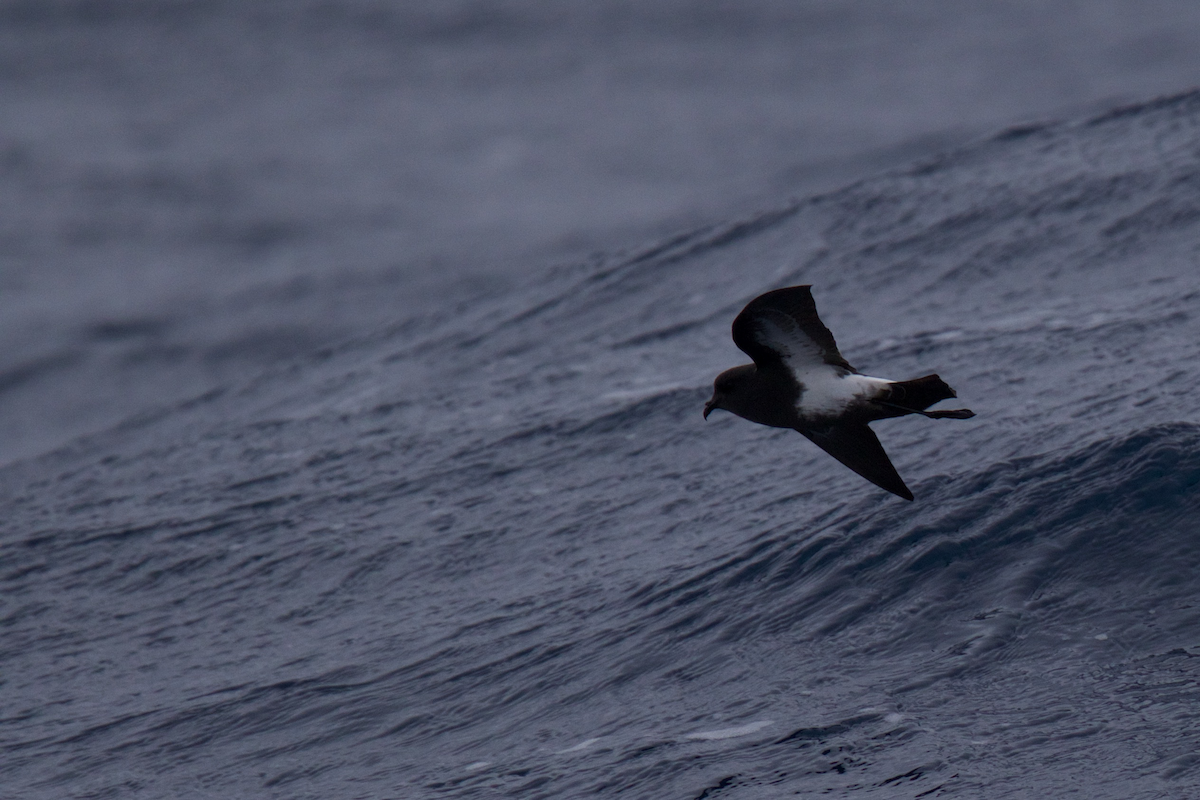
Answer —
914 396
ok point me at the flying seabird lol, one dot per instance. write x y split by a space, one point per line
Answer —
799 380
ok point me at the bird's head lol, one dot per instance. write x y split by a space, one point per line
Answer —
727 388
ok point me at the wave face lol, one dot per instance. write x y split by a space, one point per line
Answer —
494 550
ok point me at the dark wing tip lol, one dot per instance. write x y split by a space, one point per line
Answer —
894 484
857 447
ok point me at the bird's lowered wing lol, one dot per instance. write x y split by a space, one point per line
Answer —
783 327
858 448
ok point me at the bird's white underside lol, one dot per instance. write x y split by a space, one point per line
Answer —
826 390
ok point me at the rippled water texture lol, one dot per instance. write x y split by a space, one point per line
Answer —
355 534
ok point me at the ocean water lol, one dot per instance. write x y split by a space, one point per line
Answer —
378 532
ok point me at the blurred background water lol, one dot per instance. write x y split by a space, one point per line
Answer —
354 354
163 159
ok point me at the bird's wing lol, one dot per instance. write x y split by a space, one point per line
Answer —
858 448
783 327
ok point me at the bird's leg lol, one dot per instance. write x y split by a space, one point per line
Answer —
953 413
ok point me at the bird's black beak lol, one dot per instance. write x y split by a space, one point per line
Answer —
709 406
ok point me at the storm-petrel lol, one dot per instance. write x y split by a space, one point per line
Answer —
799 380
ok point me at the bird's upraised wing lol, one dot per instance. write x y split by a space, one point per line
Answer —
782 328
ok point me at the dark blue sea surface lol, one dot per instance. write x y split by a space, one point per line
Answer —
286 519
